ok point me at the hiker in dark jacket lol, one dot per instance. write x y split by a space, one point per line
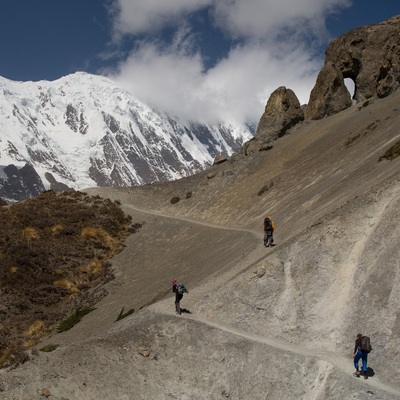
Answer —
269 227
359 354
178 289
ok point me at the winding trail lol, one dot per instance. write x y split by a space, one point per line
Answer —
334 359
220 278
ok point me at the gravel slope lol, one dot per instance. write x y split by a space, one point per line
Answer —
273 323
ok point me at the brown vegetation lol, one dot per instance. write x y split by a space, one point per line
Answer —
53 249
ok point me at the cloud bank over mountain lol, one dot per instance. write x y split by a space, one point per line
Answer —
267 45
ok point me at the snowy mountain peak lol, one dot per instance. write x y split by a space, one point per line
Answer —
83 131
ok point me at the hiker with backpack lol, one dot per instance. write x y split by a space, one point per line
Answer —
179 289
269 227
361 349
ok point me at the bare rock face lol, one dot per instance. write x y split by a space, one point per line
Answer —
282 112
57 186
370 56
19 183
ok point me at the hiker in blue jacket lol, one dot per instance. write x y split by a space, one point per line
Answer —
178 289
359 354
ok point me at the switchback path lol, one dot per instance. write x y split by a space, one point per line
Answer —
166 306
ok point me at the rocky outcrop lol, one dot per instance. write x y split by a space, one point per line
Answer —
19 183
282 112
370 56
57 186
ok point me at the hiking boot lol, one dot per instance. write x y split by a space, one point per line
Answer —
357 374
365 375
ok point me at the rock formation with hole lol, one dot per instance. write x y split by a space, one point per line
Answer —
370 56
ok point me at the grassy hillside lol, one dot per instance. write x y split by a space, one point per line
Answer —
55 251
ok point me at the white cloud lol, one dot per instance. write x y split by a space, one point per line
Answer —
272 53
138 16
258 18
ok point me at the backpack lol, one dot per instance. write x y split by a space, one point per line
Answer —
181 288
267 224
365 344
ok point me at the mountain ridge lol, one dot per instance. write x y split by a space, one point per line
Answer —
82 130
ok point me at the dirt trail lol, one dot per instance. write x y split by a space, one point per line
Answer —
218 278
334 359
195 295
339 362
194 300
202 223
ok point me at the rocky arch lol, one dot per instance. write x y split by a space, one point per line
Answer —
370 56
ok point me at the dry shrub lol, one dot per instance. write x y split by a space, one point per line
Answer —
67 284
93 233
35 331
56 229
101 237
13 270
95 267
5 355
30 234
89 272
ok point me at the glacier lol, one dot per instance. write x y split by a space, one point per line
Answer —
83 130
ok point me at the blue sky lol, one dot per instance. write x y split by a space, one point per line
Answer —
204 59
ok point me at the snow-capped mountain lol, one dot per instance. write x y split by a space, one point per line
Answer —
82 131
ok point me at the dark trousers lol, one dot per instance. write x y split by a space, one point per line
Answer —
178 298
268 238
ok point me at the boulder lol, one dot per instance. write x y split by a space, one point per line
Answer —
282 112
211 175
370 56
219 159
